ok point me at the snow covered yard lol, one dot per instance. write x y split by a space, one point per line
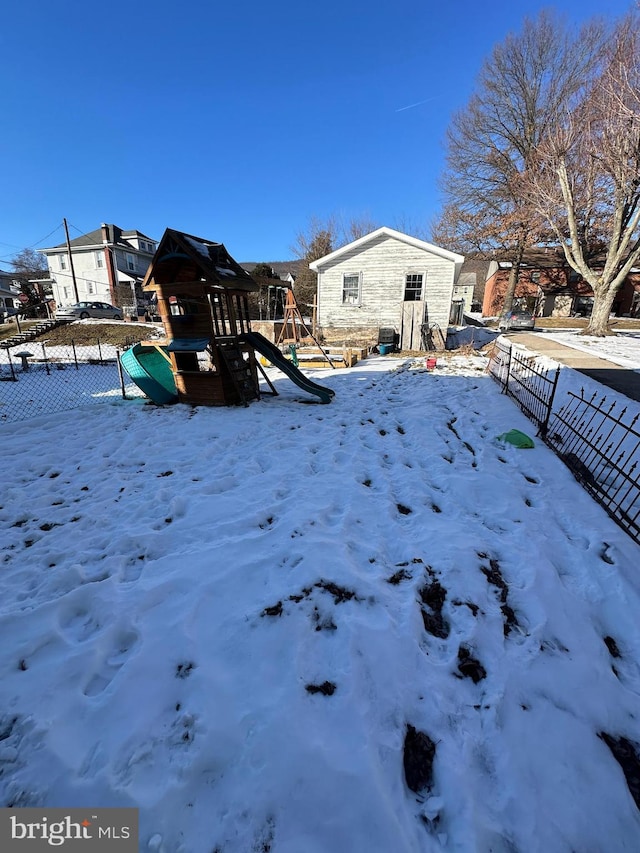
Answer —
235 619
622 348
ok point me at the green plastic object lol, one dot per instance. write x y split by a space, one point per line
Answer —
271 352
517 438
151 372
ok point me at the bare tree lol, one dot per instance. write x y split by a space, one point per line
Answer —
586 183
307 238
526 82
415 228
28 265
319 238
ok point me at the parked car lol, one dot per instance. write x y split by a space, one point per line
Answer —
7 313
83 310
517 318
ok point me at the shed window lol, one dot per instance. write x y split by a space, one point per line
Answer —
413 287
351 289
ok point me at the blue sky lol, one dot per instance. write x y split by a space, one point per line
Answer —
239 121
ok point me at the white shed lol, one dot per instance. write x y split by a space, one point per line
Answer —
387 279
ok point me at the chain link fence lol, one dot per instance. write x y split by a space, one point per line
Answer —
38 378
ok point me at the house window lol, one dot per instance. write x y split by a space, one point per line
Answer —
351 289
99 260
65 291
90 288
63 262
535 276
131 262
413 287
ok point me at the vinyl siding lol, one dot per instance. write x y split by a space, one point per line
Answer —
383 265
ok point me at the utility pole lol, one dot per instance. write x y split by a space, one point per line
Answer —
73 272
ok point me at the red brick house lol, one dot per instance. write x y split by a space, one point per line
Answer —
550 288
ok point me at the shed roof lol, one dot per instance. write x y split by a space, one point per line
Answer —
182 257
362 242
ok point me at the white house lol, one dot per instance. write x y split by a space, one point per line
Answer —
387 279
9 294
109 265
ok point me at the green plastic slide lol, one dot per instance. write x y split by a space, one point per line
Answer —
271 352
151 372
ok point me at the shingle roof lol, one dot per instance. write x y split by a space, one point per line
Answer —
479 267
177 250
117 237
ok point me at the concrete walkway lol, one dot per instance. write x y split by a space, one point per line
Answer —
619 378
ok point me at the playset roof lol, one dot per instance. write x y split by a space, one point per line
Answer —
183 257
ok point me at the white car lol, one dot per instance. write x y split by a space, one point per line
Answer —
83 310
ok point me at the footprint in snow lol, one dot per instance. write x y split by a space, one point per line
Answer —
132 571
80 624
122 648
624 668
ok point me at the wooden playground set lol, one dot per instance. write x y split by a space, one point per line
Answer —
208 356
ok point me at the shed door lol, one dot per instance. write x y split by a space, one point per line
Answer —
413 311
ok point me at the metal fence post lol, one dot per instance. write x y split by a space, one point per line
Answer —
46 360
505 386
14 378
121 375
544 426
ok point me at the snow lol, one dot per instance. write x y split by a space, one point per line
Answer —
201 248
173 579
622 348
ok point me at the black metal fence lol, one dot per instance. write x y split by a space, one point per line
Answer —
601 446
532 386
596 439
39 378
